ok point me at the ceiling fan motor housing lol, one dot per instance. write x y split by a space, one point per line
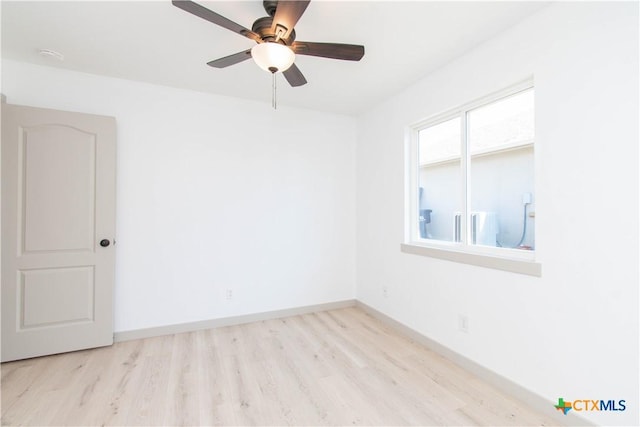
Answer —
262 27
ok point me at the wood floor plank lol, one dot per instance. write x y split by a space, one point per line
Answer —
210 386
340 367
148 405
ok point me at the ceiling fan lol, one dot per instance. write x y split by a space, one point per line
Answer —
275 35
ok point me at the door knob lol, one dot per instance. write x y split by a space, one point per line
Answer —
104 243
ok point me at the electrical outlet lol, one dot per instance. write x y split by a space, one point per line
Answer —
463 323
228 294
385 292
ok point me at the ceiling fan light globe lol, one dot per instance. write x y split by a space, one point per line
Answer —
270 56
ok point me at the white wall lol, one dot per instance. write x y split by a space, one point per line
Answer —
215 193
573 332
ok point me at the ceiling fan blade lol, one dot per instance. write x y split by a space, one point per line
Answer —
349 52
288 13
209 15
294 76
231 59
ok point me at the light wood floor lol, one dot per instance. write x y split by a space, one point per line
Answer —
339 367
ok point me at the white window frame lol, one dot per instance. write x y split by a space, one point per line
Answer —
514 260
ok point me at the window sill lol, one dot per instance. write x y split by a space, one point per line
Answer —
530 268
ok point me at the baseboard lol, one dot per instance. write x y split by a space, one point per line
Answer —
503 384
227 321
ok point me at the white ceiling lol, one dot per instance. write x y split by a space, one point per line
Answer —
153 41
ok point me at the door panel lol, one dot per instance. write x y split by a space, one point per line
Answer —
58 203
55 296
58 192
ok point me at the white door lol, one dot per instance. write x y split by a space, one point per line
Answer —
58 226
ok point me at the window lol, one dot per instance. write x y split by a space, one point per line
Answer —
471 178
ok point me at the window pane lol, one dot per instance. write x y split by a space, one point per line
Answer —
439 180
501 173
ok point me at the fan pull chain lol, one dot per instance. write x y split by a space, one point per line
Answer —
274 93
